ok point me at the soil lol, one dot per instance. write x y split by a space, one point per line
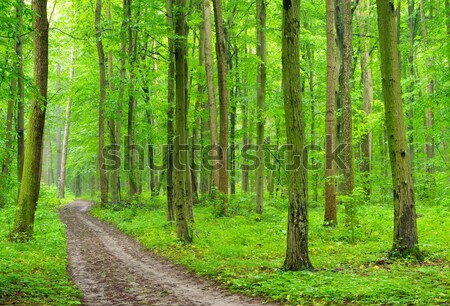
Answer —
112 269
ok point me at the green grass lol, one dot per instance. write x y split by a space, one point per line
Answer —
34 273
246 255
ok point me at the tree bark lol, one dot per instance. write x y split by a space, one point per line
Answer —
330 119
261 52
29 190
9 125
224 100
405 228
170 115
363 14
297 257
101 105
211 92
59 132
20 93
180 154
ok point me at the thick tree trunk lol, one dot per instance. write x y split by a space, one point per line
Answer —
180 154
261 52
330 119
297 257
62 175
211 93
29 190
170 116
405 228
101 105
224 100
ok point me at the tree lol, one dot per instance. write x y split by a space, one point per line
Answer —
210 90
101 105
180 154
405 228
62 170
297 257
330 119
30 184
20 93
224 101
260 99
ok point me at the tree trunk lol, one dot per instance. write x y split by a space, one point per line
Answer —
180 154
9 123
211 93
62 176
412 21
58 129
330 119
170 115
20 93
297 257
224 100
345 77
101 105
363 14
29 190
405 228
261 52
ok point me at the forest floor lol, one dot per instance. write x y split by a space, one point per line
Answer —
112 269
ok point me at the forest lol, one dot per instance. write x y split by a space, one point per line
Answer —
239 152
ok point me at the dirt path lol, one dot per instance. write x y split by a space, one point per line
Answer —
112 269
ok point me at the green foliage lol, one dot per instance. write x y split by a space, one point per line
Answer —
246 256
34 273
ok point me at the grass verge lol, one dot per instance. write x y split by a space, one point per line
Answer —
34 273
245 255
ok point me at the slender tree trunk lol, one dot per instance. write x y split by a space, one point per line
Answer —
58 129
363 14
405 228
9 125
345 77
29 190
20 93
261 52
330 119
297 257
224 100
211 93
181 158
204 123
412 24
245 142
101 105
170 115
62 176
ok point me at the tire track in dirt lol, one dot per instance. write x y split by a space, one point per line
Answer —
112 269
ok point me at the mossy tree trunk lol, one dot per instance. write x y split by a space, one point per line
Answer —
405 228
29 191
261 52
182 194
297 257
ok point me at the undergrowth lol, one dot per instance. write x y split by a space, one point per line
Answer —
245 252
34 273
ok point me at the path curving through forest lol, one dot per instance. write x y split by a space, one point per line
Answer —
110 268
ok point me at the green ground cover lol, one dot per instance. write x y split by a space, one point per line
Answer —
34 273
245 254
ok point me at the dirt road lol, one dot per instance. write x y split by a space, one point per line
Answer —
112 269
